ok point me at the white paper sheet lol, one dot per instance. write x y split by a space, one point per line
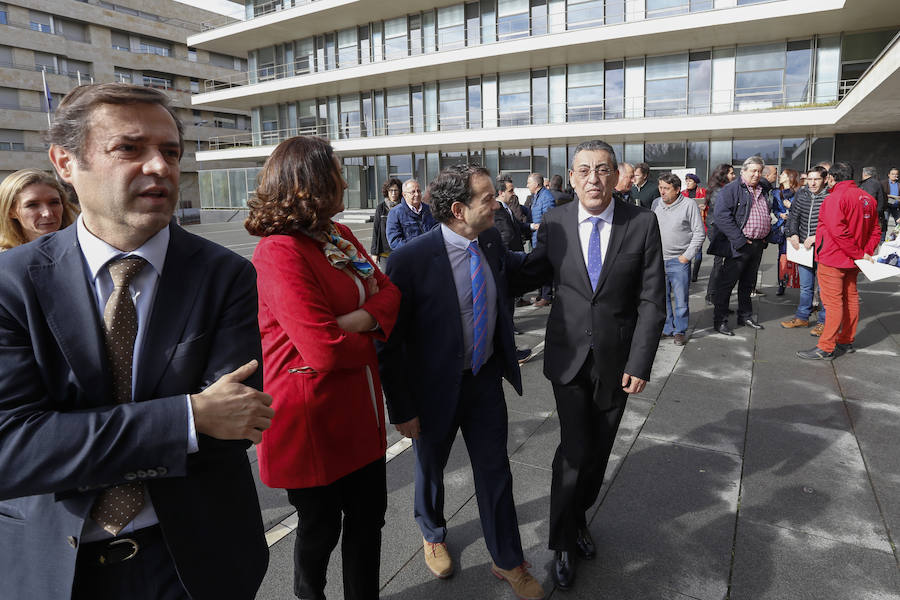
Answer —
803 256
877 271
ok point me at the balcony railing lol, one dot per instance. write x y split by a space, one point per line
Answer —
452 38
86 76
639 107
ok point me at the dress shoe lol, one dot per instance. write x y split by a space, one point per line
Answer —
541 302
564 570
523 583
841 349
665 335
815 354
516 331
585 544
522 302
523 355
756 293
817 330
780 290
723 328
680 339
438 559
752 323
795 322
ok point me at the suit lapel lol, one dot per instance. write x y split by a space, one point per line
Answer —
175 298
616 236
70 309
440 267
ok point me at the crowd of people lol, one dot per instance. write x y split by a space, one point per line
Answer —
138 362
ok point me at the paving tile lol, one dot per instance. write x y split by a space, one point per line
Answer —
803 471
701 412
718 357
773 563
865 375
667 519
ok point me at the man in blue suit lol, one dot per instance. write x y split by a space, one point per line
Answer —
442 367
123 344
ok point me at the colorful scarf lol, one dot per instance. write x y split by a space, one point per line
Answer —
342 253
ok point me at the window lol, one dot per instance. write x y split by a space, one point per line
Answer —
304 56
120 41
76 68
666 87
11 140
348 47
39 21
350 116
9 98
417 97
395 38
665 155
585 98
769 150
474 103
192 55
6 58
3 17
589 13
364 48
224 121
614 90
858 52
451 27
307 117
158 82
195 86
155 47
452 104
398 111
473 24
797 70
759 76
793 153
415 35
221 60
515 98
512 19
45 62
699 82
540 100
665 8
122 75
71 30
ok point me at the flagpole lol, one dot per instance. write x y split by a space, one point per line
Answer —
46 95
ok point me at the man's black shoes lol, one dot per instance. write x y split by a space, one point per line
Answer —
815 354
841 349
564 570
723 328
749 322
585 544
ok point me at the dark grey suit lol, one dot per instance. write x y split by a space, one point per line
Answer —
62 439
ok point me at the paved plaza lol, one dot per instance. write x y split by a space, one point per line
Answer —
740 472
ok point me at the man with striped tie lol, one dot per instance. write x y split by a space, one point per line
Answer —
442 367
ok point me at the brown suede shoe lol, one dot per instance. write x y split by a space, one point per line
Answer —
817 330
523 583
795 322
438 559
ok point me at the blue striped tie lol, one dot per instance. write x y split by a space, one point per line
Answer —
479 307
595 259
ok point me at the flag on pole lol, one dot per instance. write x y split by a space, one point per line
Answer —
47 95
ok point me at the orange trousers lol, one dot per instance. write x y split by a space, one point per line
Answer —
837 289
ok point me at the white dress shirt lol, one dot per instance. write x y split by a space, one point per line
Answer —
585 227
97 254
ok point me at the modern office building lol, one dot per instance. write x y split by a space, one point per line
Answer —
138 41
406 87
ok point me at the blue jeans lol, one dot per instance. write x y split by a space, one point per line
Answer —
678 279
807 287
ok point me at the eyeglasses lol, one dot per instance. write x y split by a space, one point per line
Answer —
585 172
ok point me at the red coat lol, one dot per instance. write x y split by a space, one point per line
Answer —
848 226
329 414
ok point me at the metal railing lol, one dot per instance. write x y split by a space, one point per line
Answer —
448 39
48 69
623 108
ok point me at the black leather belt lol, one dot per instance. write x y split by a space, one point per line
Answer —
119 549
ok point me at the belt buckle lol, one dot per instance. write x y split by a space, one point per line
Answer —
135 547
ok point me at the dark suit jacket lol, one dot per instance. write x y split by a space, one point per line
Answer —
623 318
511 230
62 438
421 364
876 190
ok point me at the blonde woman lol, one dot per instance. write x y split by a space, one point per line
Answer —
32 203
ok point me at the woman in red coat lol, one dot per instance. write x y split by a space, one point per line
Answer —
322 302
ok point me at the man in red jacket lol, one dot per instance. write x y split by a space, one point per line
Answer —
848 231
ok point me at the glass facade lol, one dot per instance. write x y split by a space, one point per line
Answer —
230 188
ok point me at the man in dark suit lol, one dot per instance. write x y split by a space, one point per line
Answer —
123 342
441 369
602 334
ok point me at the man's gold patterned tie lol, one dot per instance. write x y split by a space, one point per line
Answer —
116 506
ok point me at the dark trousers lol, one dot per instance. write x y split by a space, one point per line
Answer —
481 414
695 264
740 270
149 575
714 278
588 424
361 499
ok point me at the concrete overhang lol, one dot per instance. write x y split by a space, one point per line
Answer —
755 23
